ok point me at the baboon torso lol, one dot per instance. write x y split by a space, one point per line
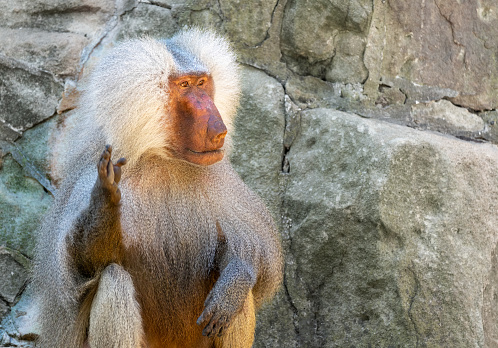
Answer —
181 274
174 253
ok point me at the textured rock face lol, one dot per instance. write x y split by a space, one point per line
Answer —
391 235
438 43
388 223
325 38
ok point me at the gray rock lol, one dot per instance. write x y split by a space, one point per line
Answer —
27 98
147 19
310 30
346 69
55 52
13 267
258 142
4 309
24 187
440 44
247 21
77 16
21 323
35 144
445 117
347 65
23 202
308 44
391 234
311 92
8 133
50 35
491 120
390 95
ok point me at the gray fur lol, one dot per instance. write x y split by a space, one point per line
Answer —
185 61
180 223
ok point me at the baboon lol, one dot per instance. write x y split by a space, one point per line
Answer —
168 248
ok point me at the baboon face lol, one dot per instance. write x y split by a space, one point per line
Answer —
196 122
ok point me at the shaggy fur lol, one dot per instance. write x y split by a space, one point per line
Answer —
186 231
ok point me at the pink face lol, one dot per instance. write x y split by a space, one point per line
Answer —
196 120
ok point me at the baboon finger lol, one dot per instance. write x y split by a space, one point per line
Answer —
209 330
205 316
121 162
110 171
106 154
117 196
209 298
102 167
117 174
117 169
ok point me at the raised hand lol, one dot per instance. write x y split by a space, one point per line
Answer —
110 175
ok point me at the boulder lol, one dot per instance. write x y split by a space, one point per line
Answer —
248 21
21 323
25 188
445 117
311 35
28 97
258 150
14 270
442 44
391 236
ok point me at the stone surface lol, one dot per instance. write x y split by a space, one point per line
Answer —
77 16
310 33
311 92
13 267
24 187
22 204
445 117
391 234
27 97
440 43
347 65
149 20
21 323
248 21
491 120
258 150
50 35
4 308
43 50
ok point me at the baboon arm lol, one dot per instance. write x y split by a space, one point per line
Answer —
95 240
227 297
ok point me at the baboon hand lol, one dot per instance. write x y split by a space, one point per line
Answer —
110 174
223 303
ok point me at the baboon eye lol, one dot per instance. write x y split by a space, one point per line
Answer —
184 84
201 82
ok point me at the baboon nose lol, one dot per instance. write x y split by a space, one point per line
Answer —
218 133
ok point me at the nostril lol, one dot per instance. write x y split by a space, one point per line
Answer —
216 132
219 130
219 139
221 135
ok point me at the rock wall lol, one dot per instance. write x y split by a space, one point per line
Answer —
368 126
